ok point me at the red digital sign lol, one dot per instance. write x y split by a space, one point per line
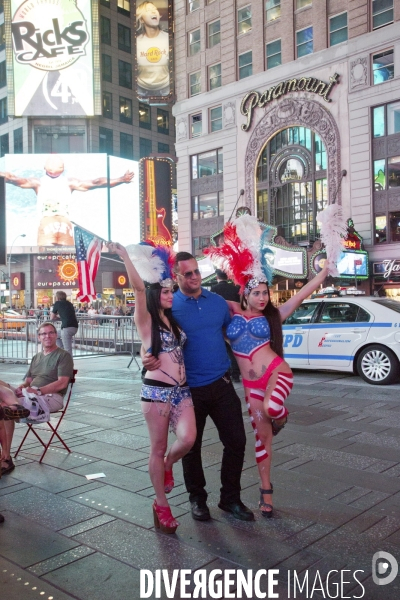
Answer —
156 200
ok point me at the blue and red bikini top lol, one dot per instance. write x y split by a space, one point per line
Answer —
248 335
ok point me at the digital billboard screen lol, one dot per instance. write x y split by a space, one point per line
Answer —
46 193
353 263
154 46
52 67
156 200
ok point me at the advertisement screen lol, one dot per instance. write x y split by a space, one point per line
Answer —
353 263
52 57
154 80
46 194
156 200
288 261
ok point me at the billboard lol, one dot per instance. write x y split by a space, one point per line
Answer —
156 200
46 193
351 264
52 67
55 271
154 50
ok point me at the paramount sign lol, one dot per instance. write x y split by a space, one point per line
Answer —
254 99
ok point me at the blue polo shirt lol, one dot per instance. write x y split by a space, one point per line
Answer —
203 319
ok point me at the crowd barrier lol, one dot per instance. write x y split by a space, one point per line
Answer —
98 334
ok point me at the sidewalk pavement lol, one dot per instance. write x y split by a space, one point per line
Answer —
336 482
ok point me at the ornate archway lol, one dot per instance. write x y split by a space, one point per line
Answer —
291 113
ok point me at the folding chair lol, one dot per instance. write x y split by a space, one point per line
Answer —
54 429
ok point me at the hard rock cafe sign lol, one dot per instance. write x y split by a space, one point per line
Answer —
254 99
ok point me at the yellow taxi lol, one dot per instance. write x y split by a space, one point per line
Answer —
10 319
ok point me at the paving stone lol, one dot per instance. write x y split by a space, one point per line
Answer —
46 477
97 577
86 525
60 560
114 454
25 543
123 439
144 549
118 475
117 503
17 584
45 508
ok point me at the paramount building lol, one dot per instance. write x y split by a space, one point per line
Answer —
298 104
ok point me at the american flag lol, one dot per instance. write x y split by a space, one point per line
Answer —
88 250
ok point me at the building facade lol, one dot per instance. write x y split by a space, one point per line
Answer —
126 128
298 104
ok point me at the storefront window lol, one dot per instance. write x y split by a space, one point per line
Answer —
379 121
262 206
395 226
380 229
393 118
321 194
208 163
320 154
394 171
379 175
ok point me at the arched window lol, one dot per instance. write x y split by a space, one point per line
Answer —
292 184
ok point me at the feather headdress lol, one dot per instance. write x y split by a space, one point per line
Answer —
333 232
242 253
153 263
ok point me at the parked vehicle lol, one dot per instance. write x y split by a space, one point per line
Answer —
359 335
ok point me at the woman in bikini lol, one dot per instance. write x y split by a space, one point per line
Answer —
166 399
255 335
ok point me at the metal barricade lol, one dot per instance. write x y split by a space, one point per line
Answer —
97 334
18 339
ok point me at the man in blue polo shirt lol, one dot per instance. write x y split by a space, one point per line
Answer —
203 316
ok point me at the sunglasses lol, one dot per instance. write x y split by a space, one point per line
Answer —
189 274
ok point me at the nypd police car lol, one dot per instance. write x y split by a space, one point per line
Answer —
360 335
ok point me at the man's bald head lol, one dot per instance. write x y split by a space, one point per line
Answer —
54 165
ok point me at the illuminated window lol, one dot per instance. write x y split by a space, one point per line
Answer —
319 154
4 145
163 148
394 226
145 147
106 67
195 125
124 38
194 5
272 10
125 74
393 118
107 105
124 7
106 140
162 121
338 29
144 116
214 75
126 145
3 110
394 171
303 3
194 42
18 142
304 42
380 229
105 30
3 76
383 67
244 20
125 110
382 13
214 33
215 118
195 83
380 175
274 56
245 65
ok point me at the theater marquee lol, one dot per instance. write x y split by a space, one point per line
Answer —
51 65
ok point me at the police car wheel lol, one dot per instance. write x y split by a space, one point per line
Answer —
377 365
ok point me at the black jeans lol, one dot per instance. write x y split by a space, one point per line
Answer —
219 401
234 370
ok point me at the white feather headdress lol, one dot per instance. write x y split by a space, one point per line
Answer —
333 232
153 263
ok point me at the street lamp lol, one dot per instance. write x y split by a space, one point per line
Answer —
9 268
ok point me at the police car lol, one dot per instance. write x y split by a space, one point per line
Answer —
359 335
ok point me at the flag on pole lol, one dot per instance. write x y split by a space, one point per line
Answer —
88 251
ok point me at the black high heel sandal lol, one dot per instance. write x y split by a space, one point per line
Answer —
266 513
277 428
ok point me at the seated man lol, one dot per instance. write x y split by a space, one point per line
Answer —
48 376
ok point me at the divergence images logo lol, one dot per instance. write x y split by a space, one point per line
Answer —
47 36
384 568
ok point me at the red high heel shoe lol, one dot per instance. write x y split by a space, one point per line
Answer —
168 481
163 519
